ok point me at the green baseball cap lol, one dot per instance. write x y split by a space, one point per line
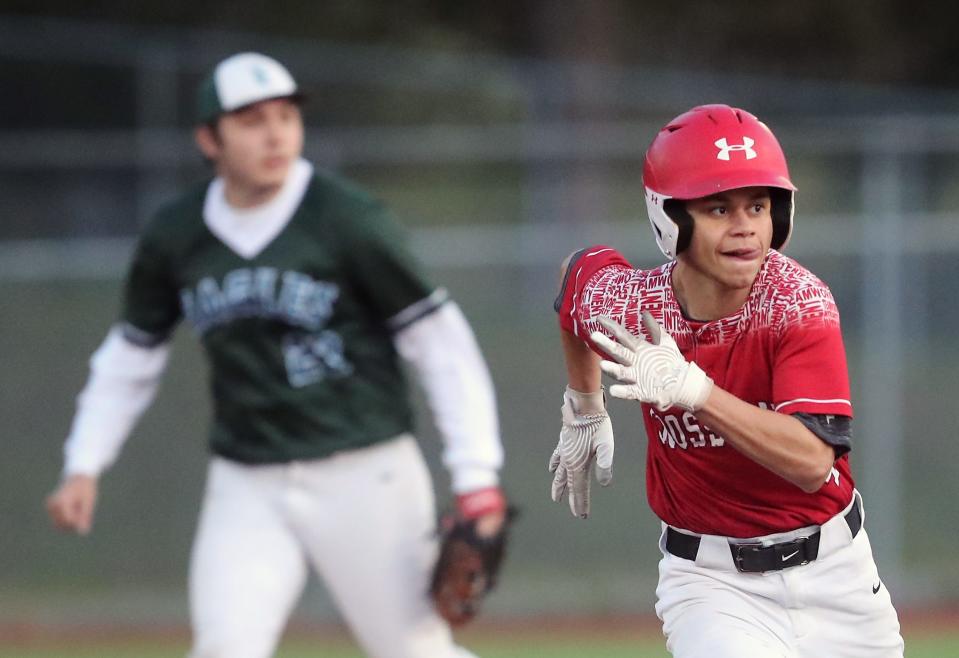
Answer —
241 80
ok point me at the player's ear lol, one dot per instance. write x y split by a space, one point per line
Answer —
207 141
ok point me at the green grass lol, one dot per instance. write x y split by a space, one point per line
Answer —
926 645
543 649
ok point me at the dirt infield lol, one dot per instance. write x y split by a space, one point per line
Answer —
37 635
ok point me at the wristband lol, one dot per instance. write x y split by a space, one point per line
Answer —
481 502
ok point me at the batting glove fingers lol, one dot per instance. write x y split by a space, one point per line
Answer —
585 444
653 372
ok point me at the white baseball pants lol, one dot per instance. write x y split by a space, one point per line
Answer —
835 606
363 519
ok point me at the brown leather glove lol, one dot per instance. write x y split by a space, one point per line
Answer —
472 545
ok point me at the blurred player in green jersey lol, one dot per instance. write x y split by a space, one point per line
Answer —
306 301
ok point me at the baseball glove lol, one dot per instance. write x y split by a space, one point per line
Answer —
468 565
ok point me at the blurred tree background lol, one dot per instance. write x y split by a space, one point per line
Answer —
875 41
871 42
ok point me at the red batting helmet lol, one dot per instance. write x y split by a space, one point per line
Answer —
712 149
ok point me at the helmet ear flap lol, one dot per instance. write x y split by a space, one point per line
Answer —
676 210
781 209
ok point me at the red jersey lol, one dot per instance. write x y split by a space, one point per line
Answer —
782 351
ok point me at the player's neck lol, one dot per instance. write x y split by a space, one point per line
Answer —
704 298
243 196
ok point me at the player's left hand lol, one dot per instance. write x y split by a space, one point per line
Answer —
472 546
654 372
585 441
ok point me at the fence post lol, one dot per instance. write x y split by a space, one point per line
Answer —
879 424
156 71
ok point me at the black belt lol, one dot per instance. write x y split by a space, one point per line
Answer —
756 558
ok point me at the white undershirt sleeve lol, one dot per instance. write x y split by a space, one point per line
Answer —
444 355
123 381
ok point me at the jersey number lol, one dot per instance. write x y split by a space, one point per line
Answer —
311 358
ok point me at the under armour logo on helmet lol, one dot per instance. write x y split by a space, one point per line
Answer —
725 148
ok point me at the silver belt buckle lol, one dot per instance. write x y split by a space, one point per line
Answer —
738 555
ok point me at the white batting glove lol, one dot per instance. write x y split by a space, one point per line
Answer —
651 372
586 438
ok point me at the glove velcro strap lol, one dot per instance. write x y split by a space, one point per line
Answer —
586 403
694 388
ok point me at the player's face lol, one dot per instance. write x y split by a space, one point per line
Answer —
254 147
732 232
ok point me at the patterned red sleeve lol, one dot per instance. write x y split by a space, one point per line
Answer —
810 373
582 266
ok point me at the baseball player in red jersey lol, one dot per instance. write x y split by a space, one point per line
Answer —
736 355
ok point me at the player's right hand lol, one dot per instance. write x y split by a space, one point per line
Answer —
72 505
585 439
654 372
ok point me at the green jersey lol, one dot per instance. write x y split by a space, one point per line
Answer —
299 336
